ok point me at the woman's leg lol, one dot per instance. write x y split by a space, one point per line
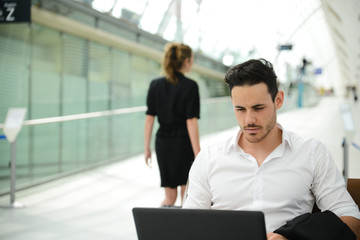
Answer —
170 196
183 189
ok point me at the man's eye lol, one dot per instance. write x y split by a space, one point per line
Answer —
258 109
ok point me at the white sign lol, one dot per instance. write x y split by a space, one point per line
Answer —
348 122
13 123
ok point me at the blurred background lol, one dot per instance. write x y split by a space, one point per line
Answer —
82 69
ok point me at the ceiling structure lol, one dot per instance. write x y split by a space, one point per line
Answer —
324 32
343 18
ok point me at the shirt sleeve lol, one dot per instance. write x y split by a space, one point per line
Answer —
198 195
150 100
329 186
193 103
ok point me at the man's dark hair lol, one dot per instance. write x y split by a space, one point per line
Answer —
252 72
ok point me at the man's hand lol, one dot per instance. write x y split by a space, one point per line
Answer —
353 223
275 236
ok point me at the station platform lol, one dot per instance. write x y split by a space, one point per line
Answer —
97 204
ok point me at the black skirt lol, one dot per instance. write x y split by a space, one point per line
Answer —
175 157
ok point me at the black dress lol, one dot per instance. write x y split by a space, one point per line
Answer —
173 105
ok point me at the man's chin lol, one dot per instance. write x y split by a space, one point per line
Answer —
252 138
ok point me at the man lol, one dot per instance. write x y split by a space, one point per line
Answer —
264 167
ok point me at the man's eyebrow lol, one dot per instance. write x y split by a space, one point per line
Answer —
237 106
258 105
255 106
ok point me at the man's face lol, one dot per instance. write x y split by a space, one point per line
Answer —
255 111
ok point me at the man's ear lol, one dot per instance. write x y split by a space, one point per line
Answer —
279 99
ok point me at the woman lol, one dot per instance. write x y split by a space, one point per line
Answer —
174 99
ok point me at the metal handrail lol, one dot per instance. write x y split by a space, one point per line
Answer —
99 114
82 116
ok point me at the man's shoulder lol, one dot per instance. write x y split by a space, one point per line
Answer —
213 152
297 140
223 143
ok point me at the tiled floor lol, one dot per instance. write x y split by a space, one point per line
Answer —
97 204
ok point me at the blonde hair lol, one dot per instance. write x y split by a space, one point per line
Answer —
174 57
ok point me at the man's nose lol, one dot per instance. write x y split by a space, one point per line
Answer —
250 118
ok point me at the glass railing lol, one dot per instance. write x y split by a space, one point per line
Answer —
50 148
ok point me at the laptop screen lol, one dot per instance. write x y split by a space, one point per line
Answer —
197 224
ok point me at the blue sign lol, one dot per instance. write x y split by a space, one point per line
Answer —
318 71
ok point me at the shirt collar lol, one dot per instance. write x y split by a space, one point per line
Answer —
286 141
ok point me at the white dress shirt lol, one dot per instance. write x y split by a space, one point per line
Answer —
286 185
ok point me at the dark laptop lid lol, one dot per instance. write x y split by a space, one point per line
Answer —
198 224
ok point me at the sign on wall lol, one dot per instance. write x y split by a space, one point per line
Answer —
13 11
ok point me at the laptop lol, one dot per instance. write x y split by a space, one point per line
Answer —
198 224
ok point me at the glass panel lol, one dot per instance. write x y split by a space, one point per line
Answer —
97 139
120 79
75 67
45 96
140 80
99 76
22 160
5 149
216 115
14 67
127 137
45 150
45 75
14 82
74 145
